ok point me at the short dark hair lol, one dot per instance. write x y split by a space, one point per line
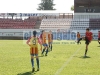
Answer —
98 31
34 33
87 29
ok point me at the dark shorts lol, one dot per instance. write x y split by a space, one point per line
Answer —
45 44
87 41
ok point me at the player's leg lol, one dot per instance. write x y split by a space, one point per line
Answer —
86 49
43 49
80 40
51 46
99 40
32 62
32 58
87 43
37 61
37 58
46 50
77 40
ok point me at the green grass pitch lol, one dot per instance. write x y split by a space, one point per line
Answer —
65 59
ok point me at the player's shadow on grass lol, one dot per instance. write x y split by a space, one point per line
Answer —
39 56
26 73
98 46
84 57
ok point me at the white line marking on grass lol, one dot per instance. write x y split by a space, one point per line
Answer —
65 64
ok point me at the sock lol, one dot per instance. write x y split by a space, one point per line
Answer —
46 51
85 52
43 51
32 62
37 60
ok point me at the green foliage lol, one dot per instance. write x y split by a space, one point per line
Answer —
72 8
46 5
12 14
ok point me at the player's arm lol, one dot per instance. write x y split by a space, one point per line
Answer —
40 42
52 37
28 41
91 36
48 38
79 35
85 36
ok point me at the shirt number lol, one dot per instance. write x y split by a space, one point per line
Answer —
34 41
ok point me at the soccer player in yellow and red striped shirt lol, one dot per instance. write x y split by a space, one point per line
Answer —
43 37
50 39
33 43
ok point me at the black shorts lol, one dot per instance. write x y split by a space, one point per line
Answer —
87 41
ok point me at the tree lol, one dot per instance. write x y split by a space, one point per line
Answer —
72 8
46 5
12 14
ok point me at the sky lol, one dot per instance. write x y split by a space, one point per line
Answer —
30 6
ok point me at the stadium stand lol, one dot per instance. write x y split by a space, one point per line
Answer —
55 23
17 24
79 24
94 24
86 15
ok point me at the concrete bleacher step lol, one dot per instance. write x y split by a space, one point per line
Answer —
37 25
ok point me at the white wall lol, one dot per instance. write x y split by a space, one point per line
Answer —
21 32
